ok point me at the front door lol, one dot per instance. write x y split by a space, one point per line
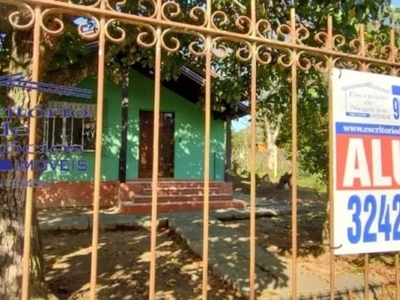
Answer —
166 145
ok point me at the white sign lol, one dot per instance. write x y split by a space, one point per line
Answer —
366 116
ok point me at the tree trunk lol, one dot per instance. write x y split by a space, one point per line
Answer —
326 238
271 131
12 215
13 184
18 50
124 124
271 156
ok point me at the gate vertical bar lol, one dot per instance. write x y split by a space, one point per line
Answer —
294 61
207 137
253 103
397 271
366 276
393 56
156 137
31 156
98 153
331 164
366 256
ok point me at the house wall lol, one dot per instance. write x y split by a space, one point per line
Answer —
189 141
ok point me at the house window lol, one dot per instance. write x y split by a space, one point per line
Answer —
70 124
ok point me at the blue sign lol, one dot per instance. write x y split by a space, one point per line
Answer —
17 80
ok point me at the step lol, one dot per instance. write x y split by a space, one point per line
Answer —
147 184
137 208
172 190
181 198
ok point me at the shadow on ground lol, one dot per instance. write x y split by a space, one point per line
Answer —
123 266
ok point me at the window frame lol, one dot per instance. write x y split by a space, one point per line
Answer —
50 121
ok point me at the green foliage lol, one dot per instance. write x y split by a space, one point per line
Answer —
241 150
312 125
232 77
313 118
240 153
71 49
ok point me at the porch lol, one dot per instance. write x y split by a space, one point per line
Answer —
175 195
135 196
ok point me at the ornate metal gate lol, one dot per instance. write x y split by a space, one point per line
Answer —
160 26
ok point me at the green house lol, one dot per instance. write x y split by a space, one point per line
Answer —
127 150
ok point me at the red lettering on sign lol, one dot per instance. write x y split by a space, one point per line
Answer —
367 162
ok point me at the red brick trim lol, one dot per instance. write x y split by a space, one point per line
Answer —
72 193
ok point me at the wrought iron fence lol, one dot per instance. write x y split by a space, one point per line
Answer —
259 44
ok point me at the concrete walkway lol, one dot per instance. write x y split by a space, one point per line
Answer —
228 252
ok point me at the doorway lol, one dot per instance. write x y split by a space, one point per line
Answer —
166 144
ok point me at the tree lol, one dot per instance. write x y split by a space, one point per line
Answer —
313 122
271 106
240 152
273 79
65 59
313 119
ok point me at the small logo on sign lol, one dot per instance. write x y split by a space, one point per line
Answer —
368 101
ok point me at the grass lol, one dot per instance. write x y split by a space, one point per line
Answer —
312 182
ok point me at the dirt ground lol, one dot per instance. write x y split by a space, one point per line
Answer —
274 234
123 267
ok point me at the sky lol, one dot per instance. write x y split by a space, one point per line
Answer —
396 3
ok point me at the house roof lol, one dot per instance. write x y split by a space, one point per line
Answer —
190 86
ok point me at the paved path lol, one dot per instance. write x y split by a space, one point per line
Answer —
229 255
228 251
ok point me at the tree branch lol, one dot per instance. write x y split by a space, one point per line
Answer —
72 74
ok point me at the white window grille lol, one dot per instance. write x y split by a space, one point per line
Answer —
60 128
